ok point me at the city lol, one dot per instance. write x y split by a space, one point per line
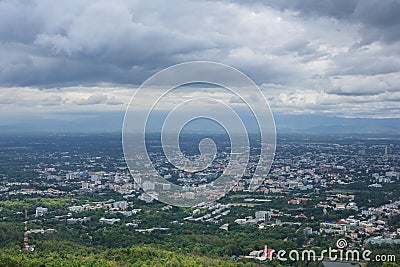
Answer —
77 188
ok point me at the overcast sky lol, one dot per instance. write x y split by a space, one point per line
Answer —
62 59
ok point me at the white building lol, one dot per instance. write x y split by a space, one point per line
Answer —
109 221
41 211
146 198
166 187
120 205
224 227
85 185
95 177
147 186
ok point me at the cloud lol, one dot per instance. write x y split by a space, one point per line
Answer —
98 98
53 100
68 99
365 85
6 100
378 20
113 101
334 54
125 42
95 99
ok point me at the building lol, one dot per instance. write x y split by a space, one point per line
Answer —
122 205
148 186
109 221
308 231
95 177
70 176
41 211
224 227
146 198
166 187
340 206
263 216
85 185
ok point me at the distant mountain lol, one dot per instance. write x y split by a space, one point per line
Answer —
112 122
325 124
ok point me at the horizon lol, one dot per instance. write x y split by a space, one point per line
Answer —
307 124
308 59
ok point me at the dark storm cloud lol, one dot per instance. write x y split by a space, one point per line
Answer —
17 22
379 20
49 42
333 8
24 65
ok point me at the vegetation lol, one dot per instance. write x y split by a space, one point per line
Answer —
70 254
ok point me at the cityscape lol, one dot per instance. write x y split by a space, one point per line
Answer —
319 189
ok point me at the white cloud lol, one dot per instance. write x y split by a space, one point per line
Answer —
338 57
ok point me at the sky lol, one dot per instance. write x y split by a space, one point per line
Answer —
70 65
